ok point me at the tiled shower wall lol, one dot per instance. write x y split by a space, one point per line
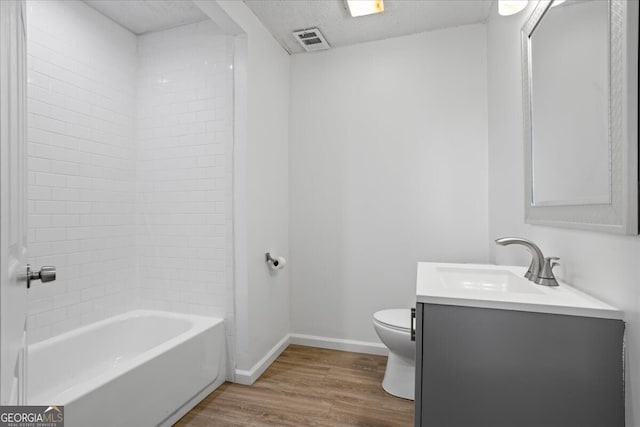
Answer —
184 128
81 192
129 163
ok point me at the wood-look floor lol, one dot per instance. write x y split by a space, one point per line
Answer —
307 386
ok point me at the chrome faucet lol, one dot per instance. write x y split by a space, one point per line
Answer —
541 269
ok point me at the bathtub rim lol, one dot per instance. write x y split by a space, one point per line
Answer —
198 326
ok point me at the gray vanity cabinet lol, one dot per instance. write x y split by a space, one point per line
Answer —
480 367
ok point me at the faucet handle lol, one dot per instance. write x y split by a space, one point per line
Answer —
553 261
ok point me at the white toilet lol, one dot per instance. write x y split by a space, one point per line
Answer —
394 329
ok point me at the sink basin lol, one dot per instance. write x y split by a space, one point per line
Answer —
502 281
503 288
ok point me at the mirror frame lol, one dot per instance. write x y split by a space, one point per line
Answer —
620 216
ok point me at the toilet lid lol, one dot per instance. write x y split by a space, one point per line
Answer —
396 317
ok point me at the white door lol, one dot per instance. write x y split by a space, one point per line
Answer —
13 215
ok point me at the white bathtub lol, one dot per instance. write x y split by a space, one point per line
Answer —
141 368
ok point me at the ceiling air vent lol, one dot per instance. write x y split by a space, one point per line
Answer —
311 39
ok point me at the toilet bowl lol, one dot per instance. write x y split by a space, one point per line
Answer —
394 329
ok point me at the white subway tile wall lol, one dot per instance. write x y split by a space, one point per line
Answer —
184 134
81 188
129 147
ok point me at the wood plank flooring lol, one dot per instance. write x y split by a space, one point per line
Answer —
307 386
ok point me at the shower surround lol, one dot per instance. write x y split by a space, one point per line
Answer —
184 164
130 160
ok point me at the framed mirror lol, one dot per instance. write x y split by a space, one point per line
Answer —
580 102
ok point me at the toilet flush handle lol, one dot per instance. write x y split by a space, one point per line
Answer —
413 322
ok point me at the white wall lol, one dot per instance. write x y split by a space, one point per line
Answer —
184 172
261 197
388 167
606 266
81 108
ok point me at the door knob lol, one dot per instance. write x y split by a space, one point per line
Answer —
46 274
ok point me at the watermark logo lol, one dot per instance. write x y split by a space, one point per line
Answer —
31 416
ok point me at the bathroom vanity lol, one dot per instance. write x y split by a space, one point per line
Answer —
493 349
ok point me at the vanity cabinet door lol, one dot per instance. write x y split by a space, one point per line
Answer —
498 368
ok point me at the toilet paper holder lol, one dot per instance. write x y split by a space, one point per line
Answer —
272 260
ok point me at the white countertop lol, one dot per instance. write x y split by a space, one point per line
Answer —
503 288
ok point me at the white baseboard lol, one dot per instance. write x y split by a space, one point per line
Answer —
250 376
339 344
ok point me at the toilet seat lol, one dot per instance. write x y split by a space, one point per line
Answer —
398 319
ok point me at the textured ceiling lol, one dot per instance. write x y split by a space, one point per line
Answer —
145 16
400 17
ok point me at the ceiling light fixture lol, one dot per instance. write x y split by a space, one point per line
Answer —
511 7
364 7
